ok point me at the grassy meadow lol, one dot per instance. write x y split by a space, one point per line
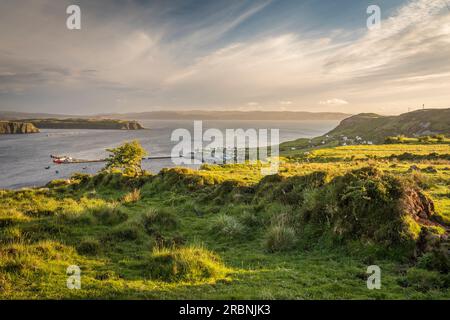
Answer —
227 232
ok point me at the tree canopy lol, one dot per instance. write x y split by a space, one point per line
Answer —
126 158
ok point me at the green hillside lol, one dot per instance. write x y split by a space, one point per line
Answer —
376 128
227 232
371 128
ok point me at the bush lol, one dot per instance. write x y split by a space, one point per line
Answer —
185 264
80 178
424 280
437 260
310 199
227 226
280 238
372 206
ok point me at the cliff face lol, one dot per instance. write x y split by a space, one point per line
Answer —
12 127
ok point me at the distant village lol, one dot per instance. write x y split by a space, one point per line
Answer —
342 141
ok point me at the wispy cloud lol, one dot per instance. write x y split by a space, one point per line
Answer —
333 102
152 56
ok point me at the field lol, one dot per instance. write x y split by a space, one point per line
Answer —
227 232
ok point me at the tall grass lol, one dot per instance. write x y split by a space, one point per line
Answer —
191 263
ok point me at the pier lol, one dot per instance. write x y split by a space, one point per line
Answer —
70 160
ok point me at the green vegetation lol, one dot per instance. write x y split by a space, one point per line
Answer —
308 232
85 124
434 139
378 152
376 128
16 127
126 158
184 264
423 126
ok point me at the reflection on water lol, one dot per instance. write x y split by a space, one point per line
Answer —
24 158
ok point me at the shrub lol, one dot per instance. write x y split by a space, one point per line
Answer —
227 226
80 178
424 280
184 264
280 238
372 205
310 198
436 259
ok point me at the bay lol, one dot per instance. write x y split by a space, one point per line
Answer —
24 158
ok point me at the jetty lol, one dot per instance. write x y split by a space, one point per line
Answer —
204 155
70 160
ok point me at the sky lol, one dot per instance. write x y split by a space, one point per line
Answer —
285 55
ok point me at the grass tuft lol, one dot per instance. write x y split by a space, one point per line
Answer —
185 264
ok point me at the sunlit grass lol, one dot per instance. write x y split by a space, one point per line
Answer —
189 234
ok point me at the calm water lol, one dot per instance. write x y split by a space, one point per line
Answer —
23 158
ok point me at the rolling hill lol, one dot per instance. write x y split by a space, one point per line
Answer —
374 128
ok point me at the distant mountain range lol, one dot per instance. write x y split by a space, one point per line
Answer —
187 115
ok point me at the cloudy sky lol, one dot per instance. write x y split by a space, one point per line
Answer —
136 55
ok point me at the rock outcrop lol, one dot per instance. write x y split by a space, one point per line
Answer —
105 124
14 127
131 125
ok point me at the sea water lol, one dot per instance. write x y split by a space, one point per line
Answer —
24 158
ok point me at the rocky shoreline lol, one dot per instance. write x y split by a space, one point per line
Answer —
17 127
105 124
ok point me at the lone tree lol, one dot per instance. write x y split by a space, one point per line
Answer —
126 158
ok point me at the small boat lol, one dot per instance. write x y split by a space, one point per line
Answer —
63 160
47 167
69 160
